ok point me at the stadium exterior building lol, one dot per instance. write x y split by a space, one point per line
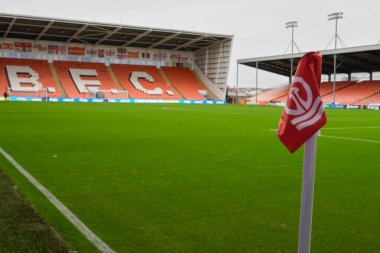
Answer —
56 40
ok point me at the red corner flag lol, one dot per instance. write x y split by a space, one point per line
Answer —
303 114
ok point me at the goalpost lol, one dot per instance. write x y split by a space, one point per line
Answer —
42 93
102 94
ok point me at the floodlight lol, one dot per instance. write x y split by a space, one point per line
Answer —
335 16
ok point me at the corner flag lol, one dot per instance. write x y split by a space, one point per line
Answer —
303 114
301 119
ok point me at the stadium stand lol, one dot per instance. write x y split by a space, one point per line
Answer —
281 94
27 78
375 99
34 78
278 94
184 80
144 82
352 94
81 79
79 55
327 87
282 98
347 92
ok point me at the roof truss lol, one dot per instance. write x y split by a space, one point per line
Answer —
349 60
92 33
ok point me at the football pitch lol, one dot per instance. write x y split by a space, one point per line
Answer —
194 178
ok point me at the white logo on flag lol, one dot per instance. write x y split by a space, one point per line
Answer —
307 111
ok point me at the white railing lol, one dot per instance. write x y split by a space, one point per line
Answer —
209 84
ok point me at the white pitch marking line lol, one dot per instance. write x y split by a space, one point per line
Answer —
187 109
98 243
352 139
341 128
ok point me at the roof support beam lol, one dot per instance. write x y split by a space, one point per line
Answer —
75 35
212 45
189 43
42 33
30 33
344 69
164 40
137 38
91 33
83 41
101 28
108 35
39 26
269 66
366 64
352 68
9 27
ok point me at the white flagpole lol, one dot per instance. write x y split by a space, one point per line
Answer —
306 214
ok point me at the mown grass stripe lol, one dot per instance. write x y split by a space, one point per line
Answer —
91 236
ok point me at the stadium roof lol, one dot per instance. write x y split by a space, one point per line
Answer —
93 33
349 60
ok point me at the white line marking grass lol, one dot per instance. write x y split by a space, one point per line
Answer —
187 109
351 139
344 138
93 238
341 128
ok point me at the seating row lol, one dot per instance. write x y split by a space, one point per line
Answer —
25 77
346 92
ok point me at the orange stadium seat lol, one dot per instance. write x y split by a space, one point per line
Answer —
283 98
27 78
353 94
347 92
138 86
327 87
185 82
94 76
375 99
279 95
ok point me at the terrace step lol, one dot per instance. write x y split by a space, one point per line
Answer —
169 83
57 80
114 78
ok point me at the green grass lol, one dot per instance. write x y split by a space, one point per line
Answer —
21 230
194 178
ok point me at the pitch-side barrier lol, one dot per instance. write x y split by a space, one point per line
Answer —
131 101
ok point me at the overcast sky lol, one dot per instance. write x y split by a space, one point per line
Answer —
258 26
